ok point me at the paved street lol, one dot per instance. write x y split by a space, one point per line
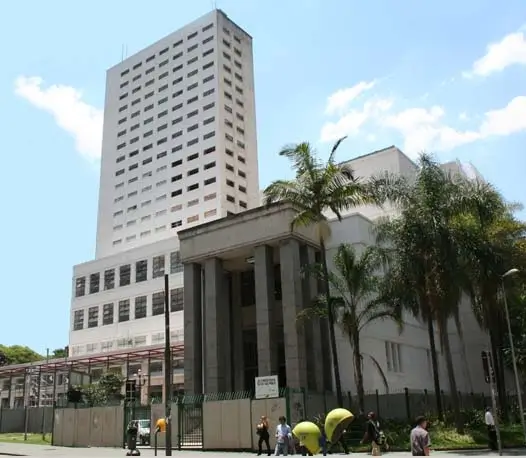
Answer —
49 451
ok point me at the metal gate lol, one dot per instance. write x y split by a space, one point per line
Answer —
190 423
135 411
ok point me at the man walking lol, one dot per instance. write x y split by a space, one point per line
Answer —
283 437
419 438
492 432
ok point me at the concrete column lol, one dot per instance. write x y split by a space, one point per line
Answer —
265 305
216 327
315 360
293 302
193 323
237 333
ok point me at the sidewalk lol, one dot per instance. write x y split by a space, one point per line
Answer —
7 449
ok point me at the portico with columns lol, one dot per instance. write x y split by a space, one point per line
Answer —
244 285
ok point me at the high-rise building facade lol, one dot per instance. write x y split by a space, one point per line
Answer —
179 149
179 143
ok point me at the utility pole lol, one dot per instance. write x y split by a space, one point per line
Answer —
43 426
167 369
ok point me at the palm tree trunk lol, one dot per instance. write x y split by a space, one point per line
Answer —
444 338
434 364
460 330
332 334
358 372
496 340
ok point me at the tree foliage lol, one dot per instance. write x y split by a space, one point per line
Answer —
19 354
318 189
105 390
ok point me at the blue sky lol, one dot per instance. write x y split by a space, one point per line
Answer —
446 77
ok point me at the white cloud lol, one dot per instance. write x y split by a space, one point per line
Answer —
341 99
426 128
511 50
507 120
351 122
71 113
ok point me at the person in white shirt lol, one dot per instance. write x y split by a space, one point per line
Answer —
283 437
492 432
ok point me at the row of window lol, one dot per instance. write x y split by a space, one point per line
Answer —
125 274
127 310
175 224
156 338
179 43
193 127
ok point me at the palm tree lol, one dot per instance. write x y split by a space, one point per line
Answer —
490 240
355 282
428 255
317 189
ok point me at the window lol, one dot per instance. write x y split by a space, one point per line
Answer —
192 157
93 317
242 204
78 320
176 299
109 279
210 197
241 174
209 165
124 275
124 310
193 187
193 172
209 150
231 199
393 357
158 303
94 283
192 219
175 262
140 307
80 286
158 266
210 213
107 314
210 181
175 224
141 271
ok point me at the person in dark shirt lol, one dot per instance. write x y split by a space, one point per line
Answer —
372 434
264 435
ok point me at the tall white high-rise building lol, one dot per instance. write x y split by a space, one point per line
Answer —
179 149
179 144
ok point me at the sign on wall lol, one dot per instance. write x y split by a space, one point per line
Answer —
267 387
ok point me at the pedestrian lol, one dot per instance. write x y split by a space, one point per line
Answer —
492 431
262 430
283 437
373 434
419 438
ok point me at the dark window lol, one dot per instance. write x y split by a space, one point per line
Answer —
175 262
109 279
78 320
94 283
80 286
176 299
158 266
141 271
140 307
124 310
248 289
125 275
93 317
107 314
157 303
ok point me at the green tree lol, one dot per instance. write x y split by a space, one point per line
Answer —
59 353
19 354
105 390
491 241
355 281
318 189
425 248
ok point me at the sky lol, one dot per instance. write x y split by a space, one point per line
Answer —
444 77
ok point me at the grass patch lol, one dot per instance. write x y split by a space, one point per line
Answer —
18 438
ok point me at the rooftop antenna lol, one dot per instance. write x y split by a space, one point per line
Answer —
214 4
122 52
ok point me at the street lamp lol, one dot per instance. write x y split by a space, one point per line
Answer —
140 381
512 348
